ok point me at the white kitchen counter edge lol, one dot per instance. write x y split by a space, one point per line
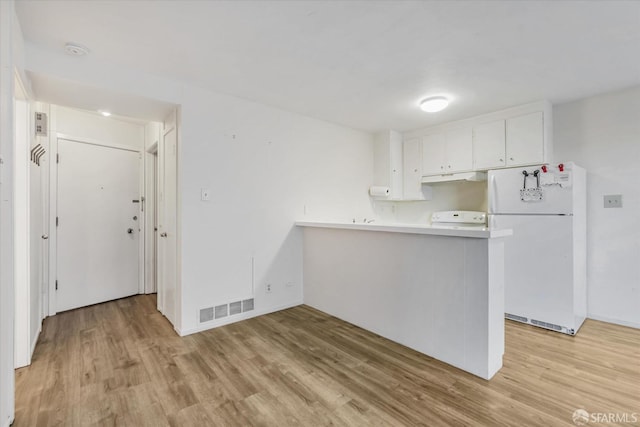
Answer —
409 229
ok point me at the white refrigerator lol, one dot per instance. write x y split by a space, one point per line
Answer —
545 259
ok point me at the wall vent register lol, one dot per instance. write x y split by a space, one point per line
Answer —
541 324
224 310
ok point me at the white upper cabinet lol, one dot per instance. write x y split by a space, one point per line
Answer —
433 154
489 145
515 136
412 169
387 162
522 137
525 139
447 152
458 150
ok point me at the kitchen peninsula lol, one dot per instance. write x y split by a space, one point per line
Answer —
438 291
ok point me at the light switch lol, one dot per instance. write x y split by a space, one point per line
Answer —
205 194
613 201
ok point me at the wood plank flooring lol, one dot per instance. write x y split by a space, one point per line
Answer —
121 363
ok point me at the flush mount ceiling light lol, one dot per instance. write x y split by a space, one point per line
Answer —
434 104
104 113
75 49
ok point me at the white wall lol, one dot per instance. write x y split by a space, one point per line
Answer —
602 134
265 167
22 242
94 126
445 196
41 208
38 220
10 53
28 229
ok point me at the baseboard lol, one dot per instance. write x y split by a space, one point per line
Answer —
614 321
236 318
35 341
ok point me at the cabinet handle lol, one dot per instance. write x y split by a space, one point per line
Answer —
415 170
510 158
449 166
501 160
441 167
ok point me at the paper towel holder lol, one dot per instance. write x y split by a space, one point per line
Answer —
379 191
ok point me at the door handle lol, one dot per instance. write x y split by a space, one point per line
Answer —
163 234
45 237
130 230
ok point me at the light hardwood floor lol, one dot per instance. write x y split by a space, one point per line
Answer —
121 363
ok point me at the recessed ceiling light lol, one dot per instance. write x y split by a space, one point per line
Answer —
434 104
105 113
75 49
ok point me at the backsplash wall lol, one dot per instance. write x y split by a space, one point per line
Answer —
470 196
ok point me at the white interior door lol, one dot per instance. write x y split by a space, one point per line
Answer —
167 262
98 229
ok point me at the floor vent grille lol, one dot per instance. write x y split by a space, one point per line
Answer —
221 311
546 325
206 314
247 305
516 318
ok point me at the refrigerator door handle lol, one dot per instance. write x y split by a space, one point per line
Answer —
493 193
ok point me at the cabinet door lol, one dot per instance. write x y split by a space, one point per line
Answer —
395 157
412 169
489 145
525 139
433 152
387 162
458 150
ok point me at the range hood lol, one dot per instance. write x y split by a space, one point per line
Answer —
463 176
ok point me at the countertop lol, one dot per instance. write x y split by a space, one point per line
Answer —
478 233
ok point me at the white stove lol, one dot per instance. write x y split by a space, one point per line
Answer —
459 220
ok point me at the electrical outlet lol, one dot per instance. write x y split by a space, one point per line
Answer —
205 194
268 288
613 201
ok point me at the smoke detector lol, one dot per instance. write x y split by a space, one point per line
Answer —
75 49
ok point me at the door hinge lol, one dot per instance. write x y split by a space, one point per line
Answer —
57 158
57 221
56 285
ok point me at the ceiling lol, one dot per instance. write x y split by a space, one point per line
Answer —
364 64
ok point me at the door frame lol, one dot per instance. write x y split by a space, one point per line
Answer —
23 140
151 216
171 122
53 211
